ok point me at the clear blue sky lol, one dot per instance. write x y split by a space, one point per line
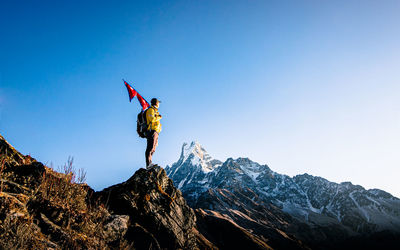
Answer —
304 86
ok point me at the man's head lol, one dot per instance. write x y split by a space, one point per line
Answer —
155 102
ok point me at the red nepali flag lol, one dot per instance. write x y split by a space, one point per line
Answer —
132 93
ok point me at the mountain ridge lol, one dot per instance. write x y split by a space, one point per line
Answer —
351 210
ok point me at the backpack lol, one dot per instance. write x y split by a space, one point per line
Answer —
141 124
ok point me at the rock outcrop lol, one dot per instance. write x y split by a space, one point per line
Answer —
158 213
41 208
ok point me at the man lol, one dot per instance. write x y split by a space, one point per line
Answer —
154 127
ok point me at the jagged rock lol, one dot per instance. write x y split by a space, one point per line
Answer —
12 156
19 173
115 227
11 203
56 233
151 200
13 187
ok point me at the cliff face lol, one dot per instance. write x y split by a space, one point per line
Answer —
41 208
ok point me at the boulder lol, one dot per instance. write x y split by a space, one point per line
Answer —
155 206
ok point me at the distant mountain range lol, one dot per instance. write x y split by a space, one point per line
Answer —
306 208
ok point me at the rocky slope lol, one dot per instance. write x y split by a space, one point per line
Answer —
43 209
309 209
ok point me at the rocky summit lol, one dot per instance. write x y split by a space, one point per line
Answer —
303 211
160 217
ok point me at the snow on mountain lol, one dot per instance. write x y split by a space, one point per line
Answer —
313 200
193 168
195 155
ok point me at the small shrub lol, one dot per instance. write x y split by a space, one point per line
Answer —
66 194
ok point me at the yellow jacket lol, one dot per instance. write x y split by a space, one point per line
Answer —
153 119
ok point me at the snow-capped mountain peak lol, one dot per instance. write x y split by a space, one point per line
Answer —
193 148
308 198
194 159
196 155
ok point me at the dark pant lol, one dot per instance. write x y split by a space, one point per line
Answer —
152 142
